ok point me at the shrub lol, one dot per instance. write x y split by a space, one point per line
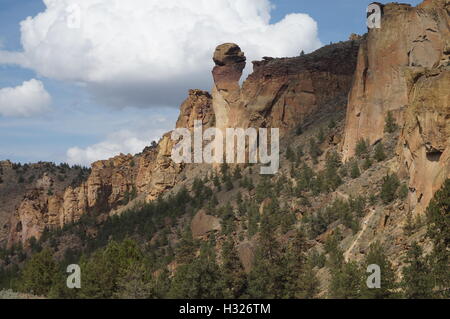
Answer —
390 125
354 170
362 147
389 188
379 152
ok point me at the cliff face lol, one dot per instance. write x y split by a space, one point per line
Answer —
281 92
16 181
111 184
403 68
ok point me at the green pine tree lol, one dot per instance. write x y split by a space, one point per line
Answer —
377 256
389 188
354 169
417 282
390 125
201 279
233 270
438 226
362 147
38 275
379 152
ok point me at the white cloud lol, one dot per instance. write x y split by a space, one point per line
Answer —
149 52
27 99
124 141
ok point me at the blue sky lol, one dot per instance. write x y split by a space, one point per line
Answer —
97 118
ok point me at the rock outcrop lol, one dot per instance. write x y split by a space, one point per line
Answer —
406 75
279 93
111 184
203 224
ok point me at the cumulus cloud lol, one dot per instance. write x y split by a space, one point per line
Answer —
149 52
27 99
123 141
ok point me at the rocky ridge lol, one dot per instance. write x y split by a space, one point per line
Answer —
290 90
409 76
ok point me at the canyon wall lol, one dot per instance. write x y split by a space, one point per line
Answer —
403 68
279 93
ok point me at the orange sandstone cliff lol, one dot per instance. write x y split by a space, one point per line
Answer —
403 68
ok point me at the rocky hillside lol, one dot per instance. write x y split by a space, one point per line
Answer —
406 75
18 182
365 133
289 91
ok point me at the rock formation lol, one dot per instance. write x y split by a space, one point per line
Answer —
279 93
202 224
403 68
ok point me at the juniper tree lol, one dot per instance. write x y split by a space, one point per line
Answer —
417 282
38 275
233 270
200 279
354 169
379 152
438 230
362 147
388 286
389 188
346 282
390 125
301 281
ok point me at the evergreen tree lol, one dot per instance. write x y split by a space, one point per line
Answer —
234 275
38 275
268 276
403 191
346 282
438 217
335 255
301 280
379 152
362 147
377 256
106 268
161 285
186 247
201 279
135 283
417 282
354 170
389 188
390 125
332 178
